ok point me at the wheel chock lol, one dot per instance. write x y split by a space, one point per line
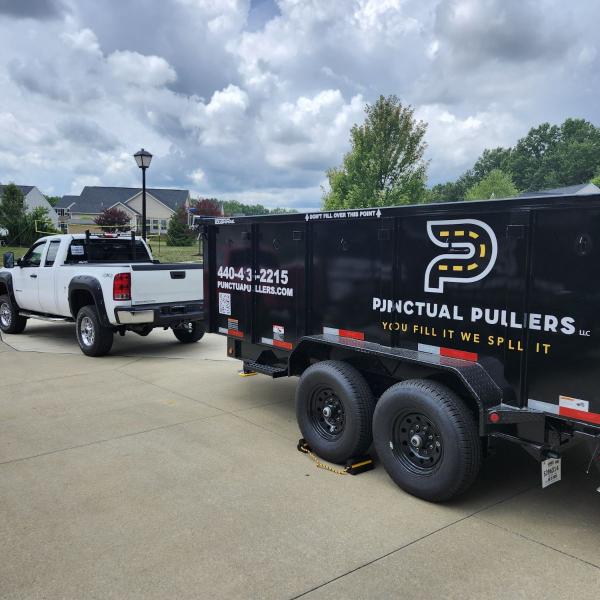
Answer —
246 373
354 466
360 464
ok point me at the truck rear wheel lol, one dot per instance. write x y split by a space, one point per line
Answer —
427 439
189 332
334 409
94 339
10 320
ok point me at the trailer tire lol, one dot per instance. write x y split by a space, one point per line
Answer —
190 333
334 394
94 339
10 319
427 440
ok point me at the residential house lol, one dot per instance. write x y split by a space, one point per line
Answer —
77 213
34 199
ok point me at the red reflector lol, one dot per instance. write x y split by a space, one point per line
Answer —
122 286
355 335
579 414
450 353
494 417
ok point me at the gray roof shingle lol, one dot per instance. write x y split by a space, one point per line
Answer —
94 199
25 189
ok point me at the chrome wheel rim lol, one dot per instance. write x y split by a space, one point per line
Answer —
5 315
86 331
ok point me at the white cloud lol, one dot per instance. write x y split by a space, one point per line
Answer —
198 176
137 69
258 110
84 40
454 141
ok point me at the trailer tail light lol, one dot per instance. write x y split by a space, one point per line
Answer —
494 417
122 286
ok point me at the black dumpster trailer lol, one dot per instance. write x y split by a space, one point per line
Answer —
426 330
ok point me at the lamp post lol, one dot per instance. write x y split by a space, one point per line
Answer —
143 159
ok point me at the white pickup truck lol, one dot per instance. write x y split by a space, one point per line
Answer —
106 284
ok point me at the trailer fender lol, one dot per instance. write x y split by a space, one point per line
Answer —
6 287
87 286
472 376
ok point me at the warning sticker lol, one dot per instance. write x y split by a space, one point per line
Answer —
278 332
233 324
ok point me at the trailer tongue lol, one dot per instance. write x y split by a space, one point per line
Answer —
426 330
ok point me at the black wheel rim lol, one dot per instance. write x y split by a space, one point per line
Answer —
416 442
326 412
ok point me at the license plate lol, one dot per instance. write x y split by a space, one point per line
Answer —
550 471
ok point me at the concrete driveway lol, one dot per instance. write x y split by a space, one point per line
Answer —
144 476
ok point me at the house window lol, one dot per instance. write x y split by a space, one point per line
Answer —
60 212
154 224
64 227
163 224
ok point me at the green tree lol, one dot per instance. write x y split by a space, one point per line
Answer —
178 233
232 208
596 178
385 165
553 156
452 191
37 224
496 184
53 200
13 213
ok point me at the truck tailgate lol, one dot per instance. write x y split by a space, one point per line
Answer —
166 283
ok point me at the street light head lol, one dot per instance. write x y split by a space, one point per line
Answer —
143 158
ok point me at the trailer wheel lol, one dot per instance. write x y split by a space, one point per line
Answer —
93 338
334 409
10 319
427 440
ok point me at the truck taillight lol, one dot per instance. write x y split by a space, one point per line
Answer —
122 286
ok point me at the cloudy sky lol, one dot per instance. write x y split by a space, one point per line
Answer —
254 99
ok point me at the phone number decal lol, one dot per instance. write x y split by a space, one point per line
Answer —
263 281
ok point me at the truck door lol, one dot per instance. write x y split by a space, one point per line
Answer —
279 307
233 264
25 282
47 280
563 366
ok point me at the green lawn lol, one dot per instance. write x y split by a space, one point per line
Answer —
166 253
161 252
16 249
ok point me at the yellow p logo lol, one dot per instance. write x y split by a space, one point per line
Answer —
472 249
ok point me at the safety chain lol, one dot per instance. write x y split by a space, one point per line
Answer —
321 465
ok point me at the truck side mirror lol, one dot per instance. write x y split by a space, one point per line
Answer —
9 260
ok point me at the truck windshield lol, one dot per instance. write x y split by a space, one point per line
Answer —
106 251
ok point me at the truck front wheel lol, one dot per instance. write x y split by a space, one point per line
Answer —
94 339
427 439
10 320
191 332
334 409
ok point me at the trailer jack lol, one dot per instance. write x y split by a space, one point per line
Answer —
354 466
